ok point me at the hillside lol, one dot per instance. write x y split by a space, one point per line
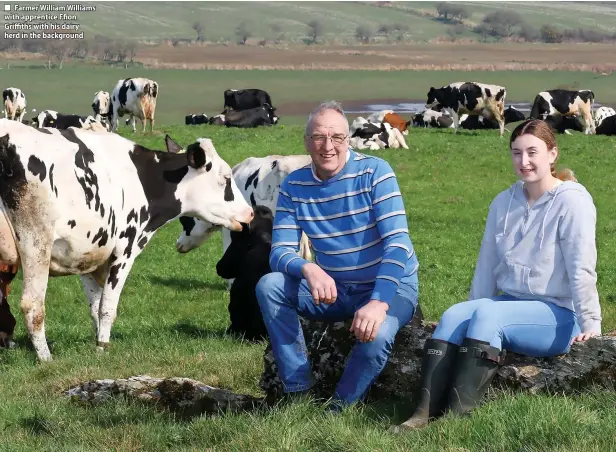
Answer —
174 20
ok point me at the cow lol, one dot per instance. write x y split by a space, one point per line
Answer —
374 136
101 105
193 120
249 248
245 99
472 122
391 118
433 118
84 203
258 179
607 126
601 113
472 98
15 103
563 124
135 97
563 102
51 118
217 120
253 117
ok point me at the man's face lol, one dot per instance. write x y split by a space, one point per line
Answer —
327 142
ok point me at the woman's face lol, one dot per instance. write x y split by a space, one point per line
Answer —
531 158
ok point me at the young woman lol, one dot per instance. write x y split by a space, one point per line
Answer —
534 290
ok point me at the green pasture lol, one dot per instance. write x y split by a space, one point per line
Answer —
173 314
182 92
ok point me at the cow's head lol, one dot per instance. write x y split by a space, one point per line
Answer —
512 114
208 190
435 95
194 233
271 112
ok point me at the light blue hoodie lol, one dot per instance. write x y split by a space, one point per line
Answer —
546 252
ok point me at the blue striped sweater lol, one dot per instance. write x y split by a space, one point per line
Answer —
356 223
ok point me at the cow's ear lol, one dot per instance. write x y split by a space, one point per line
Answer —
172 146
196 157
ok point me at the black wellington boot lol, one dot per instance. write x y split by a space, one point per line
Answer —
476 366
436 371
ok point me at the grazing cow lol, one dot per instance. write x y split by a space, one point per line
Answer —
102 105
607 126
245 261
258 179
374 136
14 101
391 118
562 124
472 122
135 97
253 117
564 102
471 98
193 120
53 119
83 203
433 118
601 113
245 99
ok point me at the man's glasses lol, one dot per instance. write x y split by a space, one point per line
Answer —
321 139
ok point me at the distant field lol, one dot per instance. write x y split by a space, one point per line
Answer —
183 92
173 313
163 20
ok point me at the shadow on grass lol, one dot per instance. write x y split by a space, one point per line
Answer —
187 283
191 330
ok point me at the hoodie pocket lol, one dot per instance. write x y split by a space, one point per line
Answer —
517 279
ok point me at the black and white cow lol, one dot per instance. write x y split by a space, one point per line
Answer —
135 97
53 119
471 98
601 113
193 120
564 102
258 179
433 118
563 124
83 203
101 105
217 120
253 117
245 99
374 136
472 122
15 104
607 126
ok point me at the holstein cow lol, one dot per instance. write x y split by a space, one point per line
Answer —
102 105
14 101
470 122
374 136
83 203
391 118
135 97
218 120
433 118
563 102
193 120
245 99
471 98
601 113
258 179
253 117
562 124
607 126
53 119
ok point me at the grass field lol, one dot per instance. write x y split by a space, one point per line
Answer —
184 92
172 316
165 20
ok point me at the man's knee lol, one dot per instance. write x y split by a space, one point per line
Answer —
380 348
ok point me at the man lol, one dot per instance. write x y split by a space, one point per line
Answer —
365 268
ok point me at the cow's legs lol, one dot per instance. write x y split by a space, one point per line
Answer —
118 272
455 117
93 290
7 320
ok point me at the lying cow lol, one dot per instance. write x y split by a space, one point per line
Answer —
135 97
253 117
471 122
218 120
53 119
374 136
15 104
245 99
193 120
471 98
391 118
258 179
245 261
601 113
433 118
607 126
101 105
82 203
563 124
563 102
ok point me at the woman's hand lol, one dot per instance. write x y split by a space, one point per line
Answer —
583 337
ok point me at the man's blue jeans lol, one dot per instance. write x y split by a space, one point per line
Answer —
283 299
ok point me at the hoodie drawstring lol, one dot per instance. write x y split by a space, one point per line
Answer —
543 222
509 207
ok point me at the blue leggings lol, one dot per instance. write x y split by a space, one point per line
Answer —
529 327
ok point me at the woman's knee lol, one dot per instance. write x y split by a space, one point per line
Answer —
454 322
486 324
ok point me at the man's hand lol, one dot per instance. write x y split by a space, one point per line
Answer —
583 337
368 320
321 285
